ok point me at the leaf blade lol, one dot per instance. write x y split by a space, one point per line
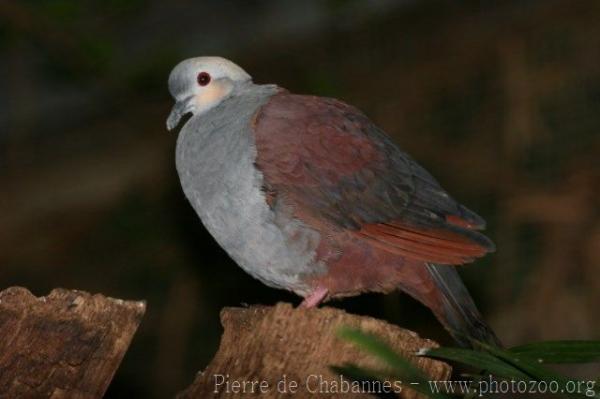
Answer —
560 352
381 350
478 360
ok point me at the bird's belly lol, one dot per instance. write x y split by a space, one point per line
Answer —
274 248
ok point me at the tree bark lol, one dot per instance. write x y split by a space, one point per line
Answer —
64 345
264 351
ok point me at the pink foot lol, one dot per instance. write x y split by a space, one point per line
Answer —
314 298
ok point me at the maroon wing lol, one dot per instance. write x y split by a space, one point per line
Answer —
330 163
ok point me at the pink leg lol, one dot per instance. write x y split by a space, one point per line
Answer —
314 298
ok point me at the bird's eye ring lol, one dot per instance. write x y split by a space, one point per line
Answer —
203 78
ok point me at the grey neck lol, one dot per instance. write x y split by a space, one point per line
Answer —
216 155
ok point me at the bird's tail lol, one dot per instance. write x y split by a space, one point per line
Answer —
457 311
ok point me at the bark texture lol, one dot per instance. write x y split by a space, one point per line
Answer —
64 345
268 345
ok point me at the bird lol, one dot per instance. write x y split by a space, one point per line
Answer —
307 194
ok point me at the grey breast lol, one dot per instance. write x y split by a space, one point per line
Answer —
215 160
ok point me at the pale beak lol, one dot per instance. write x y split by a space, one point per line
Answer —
180 109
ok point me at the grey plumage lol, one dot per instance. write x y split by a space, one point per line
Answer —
460 315
215 161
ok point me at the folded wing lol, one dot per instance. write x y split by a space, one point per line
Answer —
328 162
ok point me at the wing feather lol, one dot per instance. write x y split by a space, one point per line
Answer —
329 162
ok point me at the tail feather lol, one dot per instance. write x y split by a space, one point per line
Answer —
458 312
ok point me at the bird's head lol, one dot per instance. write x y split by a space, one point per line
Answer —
198 84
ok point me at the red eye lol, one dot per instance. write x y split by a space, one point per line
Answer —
203 78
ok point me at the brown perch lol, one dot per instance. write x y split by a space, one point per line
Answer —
65 345
70 343
262 344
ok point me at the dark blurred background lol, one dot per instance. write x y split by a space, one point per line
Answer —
499 100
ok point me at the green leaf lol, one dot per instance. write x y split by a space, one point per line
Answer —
403 369
560 351
520 363
505 364
377 348
533 368
478 360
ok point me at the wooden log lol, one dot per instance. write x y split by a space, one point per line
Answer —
282 351
64 345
